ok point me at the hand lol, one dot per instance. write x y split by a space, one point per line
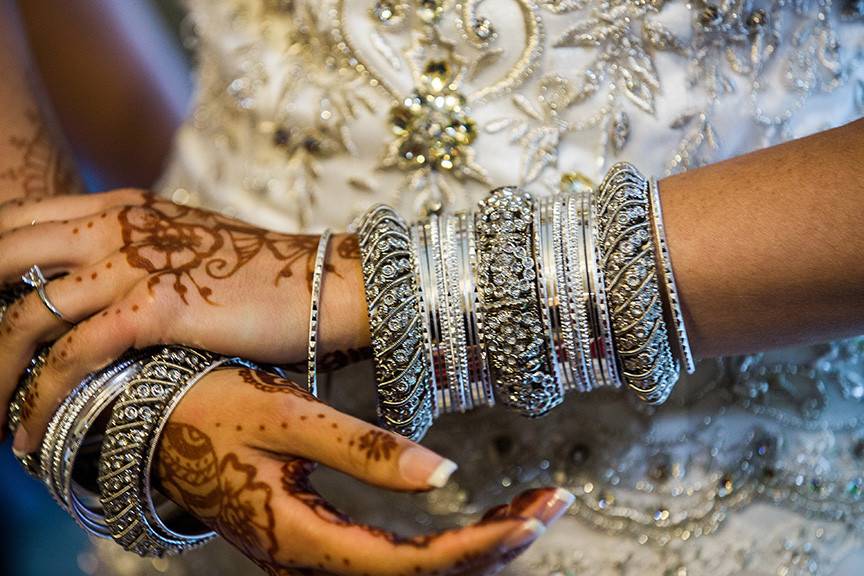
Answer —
238 451
141 271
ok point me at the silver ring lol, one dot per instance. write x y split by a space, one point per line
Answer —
36 280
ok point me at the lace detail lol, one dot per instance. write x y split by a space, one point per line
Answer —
756 464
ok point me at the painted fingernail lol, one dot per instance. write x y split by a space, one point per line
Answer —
422 466
19 446
525 534
557 506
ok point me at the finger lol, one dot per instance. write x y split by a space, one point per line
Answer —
310 533
88 347
58 246
313 430
29 323
27 211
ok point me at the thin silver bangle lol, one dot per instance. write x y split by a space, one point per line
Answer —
428 305
603 349
69 427
682 342
481 389
456 313
547 289
314 309
578 337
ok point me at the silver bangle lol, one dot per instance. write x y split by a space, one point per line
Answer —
66 433
685 354
606 362
629 264
550 235
131 439
455 312
481 390
396 320
427 296
314 309
507 282
18 408
577 332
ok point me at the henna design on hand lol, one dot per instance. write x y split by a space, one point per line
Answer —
192 246
226 495
349 248
44 168
273 384
377 445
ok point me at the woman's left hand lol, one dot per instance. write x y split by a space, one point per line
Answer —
133 270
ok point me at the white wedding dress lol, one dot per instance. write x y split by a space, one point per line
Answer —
308 111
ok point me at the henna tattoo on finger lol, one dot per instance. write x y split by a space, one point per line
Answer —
377 445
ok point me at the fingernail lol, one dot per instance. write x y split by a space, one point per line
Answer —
557 506
19 446
422 466
529 531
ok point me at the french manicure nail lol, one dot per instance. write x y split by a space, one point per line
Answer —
557 506
422 466
20 443
526 533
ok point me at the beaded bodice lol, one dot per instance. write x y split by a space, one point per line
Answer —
308 112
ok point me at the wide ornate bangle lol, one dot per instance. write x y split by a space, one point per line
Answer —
519 352
400 344
629 266
676 314
131 439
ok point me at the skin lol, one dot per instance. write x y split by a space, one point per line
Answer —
248 479
253 471
800 284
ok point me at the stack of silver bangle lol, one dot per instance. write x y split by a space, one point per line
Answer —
529 298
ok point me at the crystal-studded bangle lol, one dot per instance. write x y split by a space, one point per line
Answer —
129 448
396 321
676 314
314 309
518 349
70 434
18 408
629 265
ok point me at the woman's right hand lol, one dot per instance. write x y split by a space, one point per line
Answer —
238 451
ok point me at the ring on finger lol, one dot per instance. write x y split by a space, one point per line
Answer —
36 280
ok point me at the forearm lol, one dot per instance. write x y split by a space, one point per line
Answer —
767 250
767 247
32 159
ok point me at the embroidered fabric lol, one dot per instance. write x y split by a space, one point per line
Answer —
756 464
